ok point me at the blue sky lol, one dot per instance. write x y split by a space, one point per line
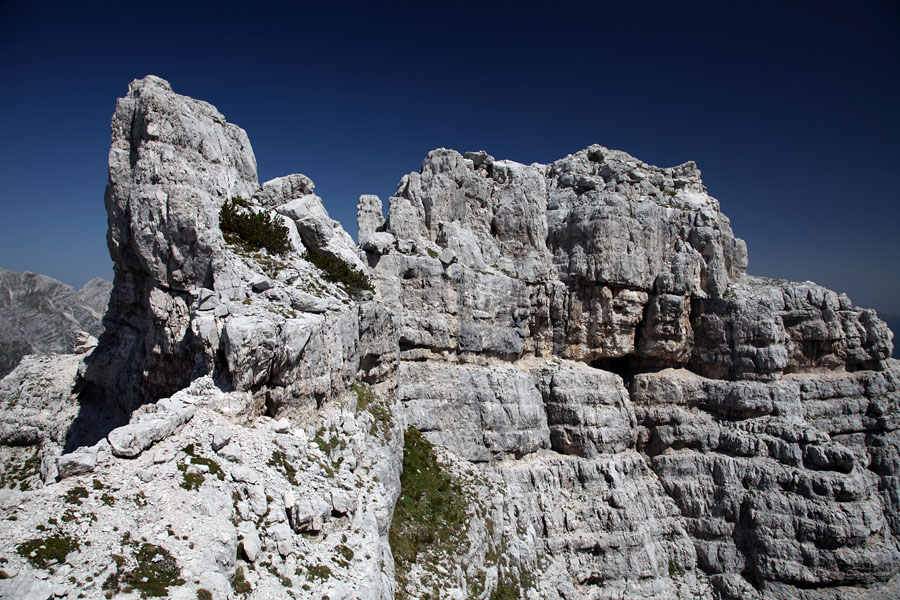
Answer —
790 109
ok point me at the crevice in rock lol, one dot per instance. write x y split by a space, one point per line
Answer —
630 365
625 367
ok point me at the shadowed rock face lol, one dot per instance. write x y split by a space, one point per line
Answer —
617 409
41 314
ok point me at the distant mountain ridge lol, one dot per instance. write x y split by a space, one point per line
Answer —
41 314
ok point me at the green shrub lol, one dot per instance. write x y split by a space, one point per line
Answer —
257 230
337 271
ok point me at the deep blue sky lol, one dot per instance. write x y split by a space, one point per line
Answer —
790 109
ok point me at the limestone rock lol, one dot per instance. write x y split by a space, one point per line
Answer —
220 438
607 406
277 191
193 349
79 462
319 231
85 343
39 314
597 257
38 410
173 162
498 270
369 219
130 440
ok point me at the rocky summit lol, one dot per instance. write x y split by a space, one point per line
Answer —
526 381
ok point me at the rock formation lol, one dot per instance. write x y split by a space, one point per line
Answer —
39 314
718 456
893 323
601 403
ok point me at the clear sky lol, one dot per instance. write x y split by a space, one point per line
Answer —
791 109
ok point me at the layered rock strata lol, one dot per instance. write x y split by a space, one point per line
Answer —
610 406
583 335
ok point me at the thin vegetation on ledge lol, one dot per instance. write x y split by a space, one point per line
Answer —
256 230
432 510
338 271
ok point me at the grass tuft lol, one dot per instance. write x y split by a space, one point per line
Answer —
432 510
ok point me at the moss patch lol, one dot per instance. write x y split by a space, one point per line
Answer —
190 481
315 572
43 552
76 495
240 585
368 400
326 445
344 551
280 462
213 466
193 481
155 571
21 468
510 583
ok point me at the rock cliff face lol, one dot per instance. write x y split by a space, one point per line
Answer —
41 314
602 404
583 335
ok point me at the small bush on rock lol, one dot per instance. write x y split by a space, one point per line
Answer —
256 230
337 271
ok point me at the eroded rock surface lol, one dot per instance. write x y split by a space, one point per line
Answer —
39 314
656 423
603 404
